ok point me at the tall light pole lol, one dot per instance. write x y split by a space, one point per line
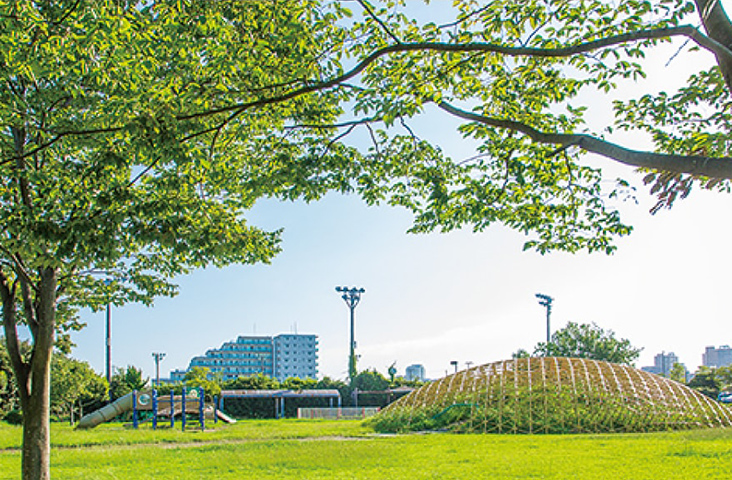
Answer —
108 359
158 356
546 301
108 335
351 296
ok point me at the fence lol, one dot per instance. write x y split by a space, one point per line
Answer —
345 413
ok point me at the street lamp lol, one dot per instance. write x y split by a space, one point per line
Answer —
158 356
546 301
351 296
454 363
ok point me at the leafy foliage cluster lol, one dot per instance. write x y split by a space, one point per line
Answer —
711 381
585 341
74 386
126 380
588 341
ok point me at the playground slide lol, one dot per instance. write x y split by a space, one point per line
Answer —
104 414
125 404
224 417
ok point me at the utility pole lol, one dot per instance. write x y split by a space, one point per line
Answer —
546 301
158 356
352 296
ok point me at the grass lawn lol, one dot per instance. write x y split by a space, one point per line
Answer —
293 449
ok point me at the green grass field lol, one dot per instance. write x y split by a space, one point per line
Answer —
292 449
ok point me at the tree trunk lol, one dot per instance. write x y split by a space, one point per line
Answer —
34 375
718 26
36 458
36 418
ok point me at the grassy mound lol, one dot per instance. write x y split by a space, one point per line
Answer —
552 395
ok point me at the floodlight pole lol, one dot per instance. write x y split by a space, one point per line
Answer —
158 356
108 339
352 296
546 301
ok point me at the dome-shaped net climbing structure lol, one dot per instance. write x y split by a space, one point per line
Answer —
553 395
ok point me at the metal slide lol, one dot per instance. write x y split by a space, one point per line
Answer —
107 413
224 417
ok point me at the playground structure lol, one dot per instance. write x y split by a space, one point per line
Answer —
553 395
190 403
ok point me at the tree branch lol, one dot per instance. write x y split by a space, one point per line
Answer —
383 26
19 143
20 368
59 136
684 31
689 164
333 126
708 43
66 14
718 27
336 139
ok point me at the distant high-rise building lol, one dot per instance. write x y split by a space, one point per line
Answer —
281 357
295 356
717 357
415 372
662 364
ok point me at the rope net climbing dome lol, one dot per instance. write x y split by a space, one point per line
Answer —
553 395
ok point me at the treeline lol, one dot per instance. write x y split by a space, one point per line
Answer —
76 389
712 381
365 381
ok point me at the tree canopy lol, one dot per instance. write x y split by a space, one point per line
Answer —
75 386
136 135
588 341
126 380
515 73
678 373
710 381
202 377
122 163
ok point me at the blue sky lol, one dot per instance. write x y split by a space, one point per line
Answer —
435 298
